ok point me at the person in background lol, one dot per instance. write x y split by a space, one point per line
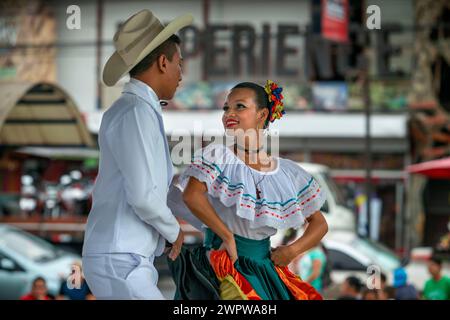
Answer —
370 294
385 292
311 267
351 289
76 293
388 293
38 290
438 286
403 290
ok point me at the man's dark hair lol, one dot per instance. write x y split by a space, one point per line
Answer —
436 260
262 99
383 277
167 48
354 283
38 279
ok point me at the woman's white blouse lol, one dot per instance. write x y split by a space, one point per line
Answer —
288 194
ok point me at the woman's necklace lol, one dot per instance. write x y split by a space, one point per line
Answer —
247 150
258 190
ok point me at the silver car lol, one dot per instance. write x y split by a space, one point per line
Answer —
23 257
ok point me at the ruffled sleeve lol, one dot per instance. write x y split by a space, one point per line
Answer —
310 196
206 166
286 198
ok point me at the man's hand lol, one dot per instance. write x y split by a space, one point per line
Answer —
176 246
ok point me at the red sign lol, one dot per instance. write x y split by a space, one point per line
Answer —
335 20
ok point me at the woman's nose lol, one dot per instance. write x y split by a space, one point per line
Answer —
230 112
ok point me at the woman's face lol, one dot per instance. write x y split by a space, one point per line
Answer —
241 111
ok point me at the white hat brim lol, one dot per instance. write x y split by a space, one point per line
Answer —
115 68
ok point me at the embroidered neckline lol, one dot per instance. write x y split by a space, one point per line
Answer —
277 159
241 185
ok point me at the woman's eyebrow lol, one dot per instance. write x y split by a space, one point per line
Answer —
240 101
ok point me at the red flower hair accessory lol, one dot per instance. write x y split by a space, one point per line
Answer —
276 106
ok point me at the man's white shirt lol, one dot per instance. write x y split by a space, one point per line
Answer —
129 211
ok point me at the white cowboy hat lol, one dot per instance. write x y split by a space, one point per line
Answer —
136 38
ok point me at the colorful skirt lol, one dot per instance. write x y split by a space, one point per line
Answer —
252 277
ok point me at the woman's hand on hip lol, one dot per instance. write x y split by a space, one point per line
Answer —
283 255
230 246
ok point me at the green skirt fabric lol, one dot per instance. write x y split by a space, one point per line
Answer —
192 271
193 275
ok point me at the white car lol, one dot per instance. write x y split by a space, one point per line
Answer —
353 255
23 257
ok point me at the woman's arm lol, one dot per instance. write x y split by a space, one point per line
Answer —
315 231
195 198
316 267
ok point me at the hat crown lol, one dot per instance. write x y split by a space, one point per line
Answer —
135 33
137 37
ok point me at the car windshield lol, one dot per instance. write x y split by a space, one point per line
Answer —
28 246
378 253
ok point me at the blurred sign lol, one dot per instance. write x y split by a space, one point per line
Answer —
330 95
335 20
27 35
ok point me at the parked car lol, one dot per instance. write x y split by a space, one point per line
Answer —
23 257
350 254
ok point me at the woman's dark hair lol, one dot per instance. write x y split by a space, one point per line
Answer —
262 99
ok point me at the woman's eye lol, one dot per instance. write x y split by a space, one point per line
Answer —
240 106
225 108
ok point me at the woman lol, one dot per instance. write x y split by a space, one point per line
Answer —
311 267
243 195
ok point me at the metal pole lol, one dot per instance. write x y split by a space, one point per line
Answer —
99 53
364 67
206 10
398 215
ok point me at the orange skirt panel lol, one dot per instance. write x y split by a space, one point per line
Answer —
301 290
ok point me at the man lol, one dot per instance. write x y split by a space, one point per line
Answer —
351 289
78 290
130 222
403 290
38 290
438 287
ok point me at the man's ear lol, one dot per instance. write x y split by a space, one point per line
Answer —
162 63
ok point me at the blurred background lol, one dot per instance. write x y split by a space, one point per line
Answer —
367 98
